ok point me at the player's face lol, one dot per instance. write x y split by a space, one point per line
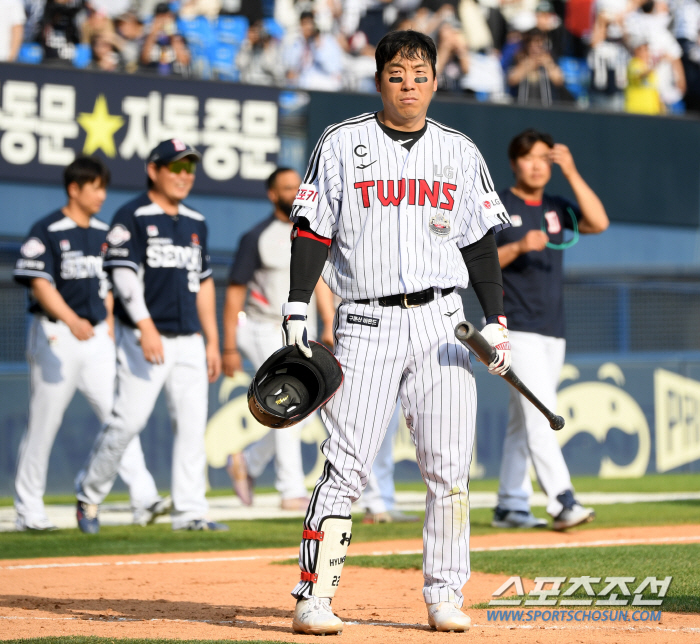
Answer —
407 86
175 180
89 197
284 191
534 170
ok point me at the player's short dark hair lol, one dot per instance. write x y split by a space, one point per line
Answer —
409 44
272 179
84 170
522 144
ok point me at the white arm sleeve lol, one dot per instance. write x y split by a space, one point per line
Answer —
128 289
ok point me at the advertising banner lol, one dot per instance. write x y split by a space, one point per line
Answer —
48 116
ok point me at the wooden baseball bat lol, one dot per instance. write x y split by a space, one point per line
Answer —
468 335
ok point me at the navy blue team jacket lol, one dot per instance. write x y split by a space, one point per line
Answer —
170 253
70 257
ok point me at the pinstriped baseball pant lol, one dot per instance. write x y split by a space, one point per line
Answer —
412 354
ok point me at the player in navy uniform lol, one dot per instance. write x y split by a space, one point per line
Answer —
531 259
70 343
158 260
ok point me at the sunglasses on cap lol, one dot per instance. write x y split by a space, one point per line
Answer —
188 165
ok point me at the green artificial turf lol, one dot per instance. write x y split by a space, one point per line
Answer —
280 533
649 483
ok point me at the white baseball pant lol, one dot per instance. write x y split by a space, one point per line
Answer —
537 359
412 354
258 340
59 364
184 376
380 494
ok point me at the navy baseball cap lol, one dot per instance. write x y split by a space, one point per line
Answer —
171 150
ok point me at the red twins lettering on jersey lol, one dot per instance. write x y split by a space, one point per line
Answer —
307 196
391 192
553 223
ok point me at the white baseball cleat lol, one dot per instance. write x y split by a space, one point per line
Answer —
573 516
446 617
516 519
314 616
148 516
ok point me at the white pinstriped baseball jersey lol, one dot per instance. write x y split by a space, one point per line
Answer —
397 217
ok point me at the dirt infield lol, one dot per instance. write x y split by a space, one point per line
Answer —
242 595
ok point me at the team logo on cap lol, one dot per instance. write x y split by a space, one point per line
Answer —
152 231
178 145
439 224
64 244
118 235
33 247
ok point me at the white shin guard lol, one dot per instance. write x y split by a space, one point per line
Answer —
333 538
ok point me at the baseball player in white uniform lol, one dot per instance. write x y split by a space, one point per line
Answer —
397 211
159 265
530 254
70 344
258 286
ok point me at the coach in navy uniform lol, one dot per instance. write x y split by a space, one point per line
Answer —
531 258
158 260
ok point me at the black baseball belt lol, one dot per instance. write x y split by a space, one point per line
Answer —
408 300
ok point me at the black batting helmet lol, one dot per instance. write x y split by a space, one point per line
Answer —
288 387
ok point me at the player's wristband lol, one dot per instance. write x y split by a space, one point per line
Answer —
294 308
497 319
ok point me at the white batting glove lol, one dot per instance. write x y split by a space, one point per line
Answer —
496 334
294 327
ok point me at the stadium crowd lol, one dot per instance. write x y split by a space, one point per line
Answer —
640 56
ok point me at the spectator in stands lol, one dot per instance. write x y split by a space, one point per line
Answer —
360 65
34 11
259 60
474 24
12 20
314 60
130 33
651 23
164 50
535 77
452 57
105 53
642 92
549 23
578 23
60 31
96 23
609 58
686 26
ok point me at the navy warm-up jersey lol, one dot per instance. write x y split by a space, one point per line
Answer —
70 257
169 253
533 283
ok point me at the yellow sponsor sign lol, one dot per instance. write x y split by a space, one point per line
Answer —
677 403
